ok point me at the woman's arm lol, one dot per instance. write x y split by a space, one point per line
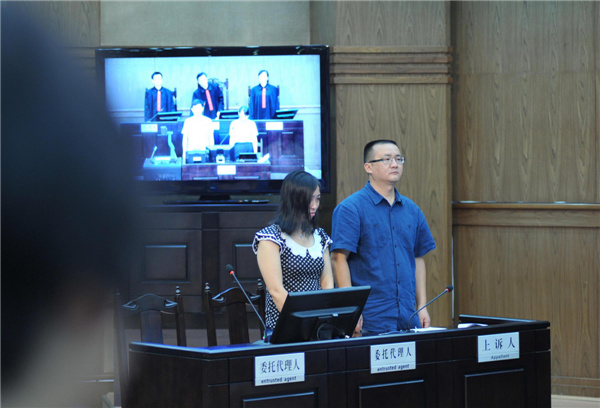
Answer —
269 263
327 274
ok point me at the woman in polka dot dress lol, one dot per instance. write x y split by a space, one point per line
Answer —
293 253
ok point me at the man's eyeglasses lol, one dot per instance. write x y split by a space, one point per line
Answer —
388 160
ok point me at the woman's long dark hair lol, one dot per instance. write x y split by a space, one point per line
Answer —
296 194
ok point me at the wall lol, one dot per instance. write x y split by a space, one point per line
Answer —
526 130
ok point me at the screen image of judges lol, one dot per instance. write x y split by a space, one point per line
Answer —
254 114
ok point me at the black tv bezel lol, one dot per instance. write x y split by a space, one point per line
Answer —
288 328
223 188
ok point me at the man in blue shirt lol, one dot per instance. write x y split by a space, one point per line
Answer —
379 239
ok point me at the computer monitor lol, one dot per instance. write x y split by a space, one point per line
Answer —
166 116
285 114
220 153
320 315
229 114
241 148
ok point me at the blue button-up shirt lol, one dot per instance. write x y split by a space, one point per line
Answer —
383 242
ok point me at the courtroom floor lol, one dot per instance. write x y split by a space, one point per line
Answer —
564 401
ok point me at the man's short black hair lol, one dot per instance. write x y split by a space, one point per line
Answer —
369 147
244 109
155 73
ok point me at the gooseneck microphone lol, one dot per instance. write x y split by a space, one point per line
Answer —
449 288
229 269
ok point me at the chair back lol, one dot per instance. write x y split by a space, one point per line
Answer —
234 301
147 312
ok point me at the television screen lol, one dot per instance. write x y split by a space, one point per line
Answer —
288 121
320 315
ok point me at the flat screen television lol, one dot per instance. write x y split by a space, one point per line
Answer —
296 137
320 315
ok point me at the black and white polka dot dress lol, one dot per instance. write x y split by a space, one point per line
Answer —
301 267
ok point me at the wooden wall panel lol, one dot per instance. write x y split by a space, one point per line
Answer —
75 23
535 270
526 130
205 23
391 76
524 102
391 23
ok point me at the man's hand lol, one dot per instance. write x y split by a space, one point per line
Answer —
424 318
358 329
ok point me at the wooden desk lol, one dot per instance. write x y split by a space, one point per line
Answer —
447 372
283 140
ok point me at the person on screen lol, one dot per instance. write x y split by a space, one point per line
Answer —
292 252
264 98
158 99
210 94
243 130
380 238
198 131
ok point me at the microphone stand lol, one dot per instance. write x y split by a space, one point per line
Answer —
448 289
232 273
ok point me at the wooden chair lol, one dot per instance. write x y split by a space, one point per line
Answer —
235 302
147 311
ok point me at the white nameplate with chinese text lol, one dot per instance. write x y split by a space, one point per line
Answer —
278 369
149 128
496 347
226 170
393 357
273 125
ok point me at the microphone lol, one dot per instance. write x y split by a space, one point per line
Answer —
152 156
449 288
229 268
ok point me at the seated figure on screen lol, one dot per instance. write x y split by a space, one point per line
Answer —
158 99
197 130
243 130
210 94
264 98
293 253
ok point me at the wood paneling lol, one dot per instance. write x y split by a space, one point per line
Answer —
204 23
76 23
390 65
390 75
526 126
391 23
515 262
524 102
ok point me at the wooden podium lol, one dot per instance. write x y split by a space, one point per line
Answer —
448 371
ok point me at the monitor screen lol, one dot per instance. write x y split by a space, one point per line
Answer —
294 135
320 315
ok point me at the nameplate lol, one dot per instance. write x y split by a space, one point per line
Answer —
393 357
273 125
149 128
278 369
226 170
496 347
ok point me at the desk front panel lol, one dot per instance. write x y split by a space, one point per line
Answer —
338 373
